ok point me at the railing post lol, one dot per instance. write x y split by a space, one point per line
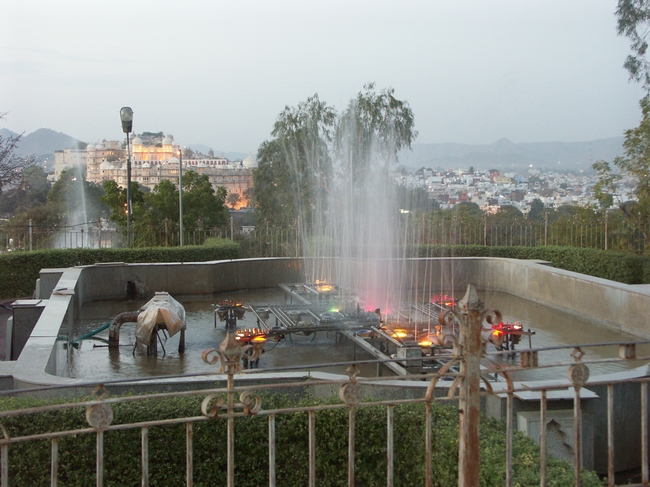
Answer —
471 308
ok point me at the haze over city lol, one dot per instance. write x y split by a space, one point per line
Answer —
219 73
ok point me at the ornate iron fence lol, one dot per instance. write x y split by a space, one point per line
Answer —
289 242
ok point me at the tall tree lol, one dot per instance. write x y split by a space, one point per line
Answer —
115 198
374 124
634 23
73 199
202 205
635 165
30 191
295 167
11 164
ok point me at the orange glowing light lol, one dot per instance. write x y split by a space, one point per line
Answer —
425 343
400 334
259 339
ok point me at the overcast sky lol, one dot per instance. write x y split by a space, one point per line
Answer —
219 72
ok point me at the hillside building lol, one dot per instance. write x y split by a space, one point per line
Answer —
153 161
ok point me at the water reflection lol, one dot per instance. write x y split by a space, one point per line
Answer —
93 358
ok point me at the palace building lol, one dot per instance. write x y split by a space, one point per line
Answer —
153 161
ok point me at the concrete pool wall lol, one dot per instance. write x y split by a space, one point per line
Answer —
60 293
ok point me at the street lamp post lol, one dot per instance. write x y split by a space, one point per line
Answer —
126 115
180 192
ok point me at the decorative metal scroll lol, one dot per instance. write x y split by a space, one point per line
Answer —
99 416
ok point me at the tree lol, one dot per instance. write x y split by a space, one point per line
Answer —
31 191
635 164
11 164
508 215
416 199
634 23
115 199
536 210
467 213
374 123
295 167
232 199
202 205
74 200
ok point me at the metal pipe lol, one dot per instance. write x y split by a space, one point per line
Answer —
189 460
351 445
99 459
180 194
4 451
610 436
644 433
312 449
54 465
428 436
509 440
577 432
470 390
271 450
390 450
145 456
129 206
542 440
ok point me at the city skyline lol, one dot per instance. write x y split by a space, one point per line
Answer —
219 73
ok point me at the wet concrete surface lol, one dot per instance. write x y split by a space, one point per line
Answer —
93 359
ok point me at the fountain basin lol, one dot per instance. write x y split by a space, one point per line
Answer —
43 359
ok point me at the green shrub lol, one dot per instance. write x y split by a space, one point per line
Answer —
615 266
19 270
29 462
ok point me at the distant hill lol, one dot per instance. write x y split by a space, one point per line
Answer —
4 133
506 155
42 144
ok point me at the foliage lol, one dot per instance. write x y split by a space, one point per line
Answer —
633 22
374 123
297 167
416 199
606 264
294 168
70 193
115 199
29 462
233 199
202 205
537 210
633 165
30 192
19 270
508 215
11 164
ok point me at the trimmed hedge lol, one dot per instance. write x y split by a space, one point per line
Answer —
19 270
607 264
29 462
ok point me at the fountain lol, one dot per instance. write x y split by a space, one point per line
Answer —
354 277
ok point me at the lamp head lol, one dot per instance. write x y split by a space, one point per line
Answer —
126 115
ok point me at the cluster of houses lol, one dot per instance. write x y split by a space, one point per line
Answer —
491 189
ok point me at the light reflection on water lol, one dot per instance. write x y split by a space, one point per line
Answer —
93 359
553 328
